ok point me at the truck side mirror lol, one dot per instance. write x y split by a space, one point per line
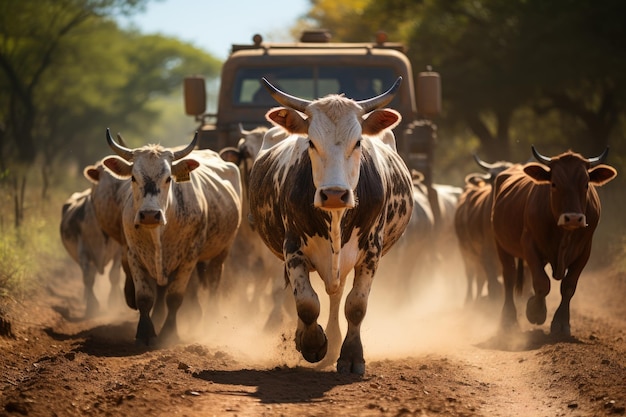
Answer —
195 95
429 94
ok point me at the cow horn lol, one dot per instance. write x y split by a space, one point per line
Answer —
484 165
121 140
600 158
539 157
184 152
122 151
381 100
243 132
284 98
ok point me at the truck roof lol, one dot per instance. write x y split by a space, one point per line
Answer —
309 70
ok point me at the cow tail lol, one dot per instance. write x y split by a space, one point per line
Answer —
519 283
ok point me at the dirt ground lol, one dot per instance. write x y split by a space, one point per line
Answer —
429 357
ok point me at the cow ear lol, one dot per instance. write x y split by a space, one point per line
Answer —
537 172
601 174
289 119
91 173
477 180
379 120
182 168
231 154
118 166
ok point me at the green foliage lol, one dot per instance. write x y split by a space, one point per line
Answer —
26 253
69 72
514 73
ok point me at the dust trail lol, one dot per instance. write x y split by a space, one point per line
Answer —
409 313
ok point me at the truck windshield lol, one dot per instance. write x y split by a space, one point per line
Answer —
309 83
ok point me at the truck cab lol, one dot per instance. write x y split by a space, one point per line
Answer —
313 68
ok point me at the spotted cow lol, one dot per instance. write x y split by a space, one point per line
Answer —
330 197
181 210
251 263
91 248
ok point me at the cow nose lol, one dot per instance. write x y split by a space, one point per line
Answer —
572 220
150 217
335 197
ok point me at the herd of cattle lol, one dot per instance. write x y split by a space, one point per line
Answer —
324 191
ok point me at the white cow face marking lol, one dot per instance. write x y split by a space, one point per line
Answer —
335 153
151 181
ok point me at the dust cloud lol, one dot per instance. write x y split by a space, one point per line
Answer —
409 312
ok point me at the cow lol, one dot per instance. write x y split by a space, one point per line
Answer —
181 211
250 262
546 212
427 243
333 196
472 224
91 248
108 193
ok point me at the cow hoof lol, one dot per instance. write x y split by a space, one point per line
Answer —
560 329
313 344
536 310
145 342
345 366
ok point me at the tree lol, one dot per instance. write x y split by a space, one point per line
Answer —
564 59
68 72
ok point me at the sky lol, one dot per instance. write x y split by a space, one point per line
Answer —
214 25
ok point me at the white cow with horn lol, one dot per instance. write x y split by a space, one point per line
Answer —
333 196
183 208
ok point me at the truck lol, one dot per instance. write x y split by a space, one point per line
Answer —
311 68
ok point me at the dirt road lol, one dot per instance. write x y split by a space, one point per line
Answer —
432 357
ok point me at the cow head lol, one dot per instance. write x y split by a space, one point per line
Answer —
334 127
570 176
151 169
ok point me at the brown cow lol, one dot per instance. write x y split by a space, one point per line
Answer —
545 213
472 224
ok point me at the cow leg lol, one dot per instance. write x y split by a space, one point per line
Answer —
89 278
210 276
159 311
508 319
144 300
174 299
115 293
310 338
333 332
351 358
470 275
129 285
494 289
560 322
536 310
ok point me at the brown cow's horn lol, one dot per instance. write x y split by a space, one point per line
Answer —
484 165
599 159
284 98
381 100
184 152
539 157
122 151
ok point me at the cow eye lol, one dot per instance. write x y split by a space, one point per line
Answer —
168 180
133 179
311 144
357 145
